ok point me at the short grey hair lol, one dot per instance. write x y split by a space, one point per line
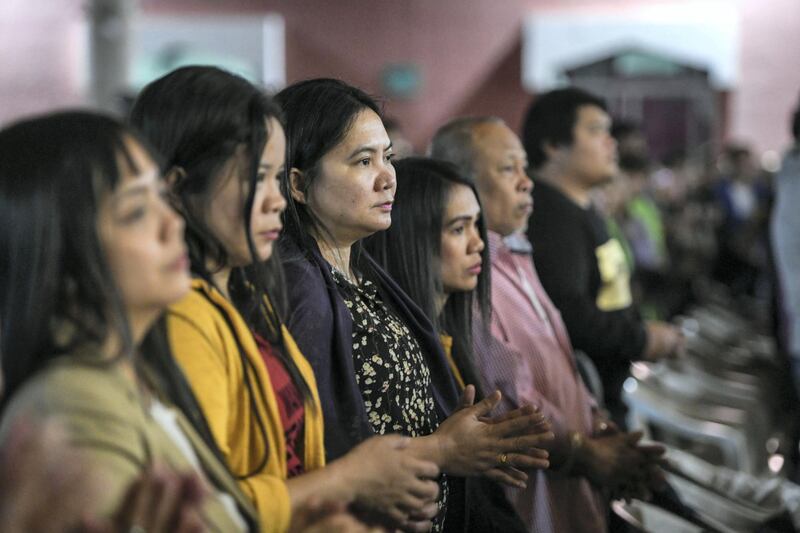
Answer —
455 142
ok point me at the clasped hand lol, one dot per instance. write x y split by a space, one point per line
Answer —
501 448
622 464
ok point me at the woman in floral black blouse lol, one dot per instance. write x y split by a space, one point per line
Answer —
378 361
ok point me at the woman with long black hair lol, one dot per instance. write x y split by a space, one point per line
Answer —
90 257
378 361
435 250
224 148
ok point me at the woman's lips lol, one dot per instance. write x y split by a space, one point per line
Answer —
386 206
180 264
475 269
270 235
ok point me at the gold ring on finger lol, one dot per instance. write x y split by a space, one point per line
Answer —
503 458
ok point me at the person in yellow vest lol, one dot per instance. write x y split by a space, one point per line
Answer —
224 147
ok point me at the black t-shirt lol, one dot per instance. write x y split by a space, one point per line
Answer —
581 269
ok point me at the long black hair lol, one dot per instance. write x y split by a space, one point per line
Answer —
199 117
56 289
410 251
319 114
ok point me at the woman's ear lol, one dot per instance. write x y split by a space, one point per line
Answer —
174 178
297 185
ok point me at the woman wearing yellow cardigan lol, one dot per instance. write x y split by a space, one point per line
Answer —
224 150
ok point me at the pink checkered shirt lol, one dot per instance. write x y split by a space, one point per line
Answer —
528 356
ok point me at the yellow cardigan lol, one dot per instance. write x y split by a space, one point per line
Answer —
447 344
206 349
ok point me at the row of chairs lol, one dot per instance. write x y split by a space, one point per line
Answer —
719 413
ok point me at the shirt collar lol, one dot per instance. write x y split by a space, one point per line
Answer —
516 243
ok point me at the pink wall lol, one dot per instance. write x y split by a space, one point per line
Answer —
770 73
467 51
37 72
455 46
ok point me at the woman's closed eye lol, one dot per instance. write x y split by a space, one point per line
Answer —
264 177
458 230
132 215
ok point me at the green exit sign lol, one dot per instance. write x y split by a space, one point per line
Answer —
402 80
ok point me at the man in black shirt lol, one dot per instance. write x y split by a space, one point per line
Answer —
566 135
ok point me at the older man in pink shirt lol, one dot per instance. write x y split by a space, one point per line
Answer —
526 352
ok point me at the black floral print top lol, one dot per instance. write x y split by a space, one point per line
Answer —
391 370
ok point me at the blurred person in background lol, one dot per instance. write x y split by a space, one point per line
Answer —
566 136
682 191
630 139
637 221
641 217
743 201
785 233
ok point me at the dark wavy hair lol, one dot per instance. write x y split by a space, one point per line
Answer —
550 120
56 289
410 251
198 117
319 114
